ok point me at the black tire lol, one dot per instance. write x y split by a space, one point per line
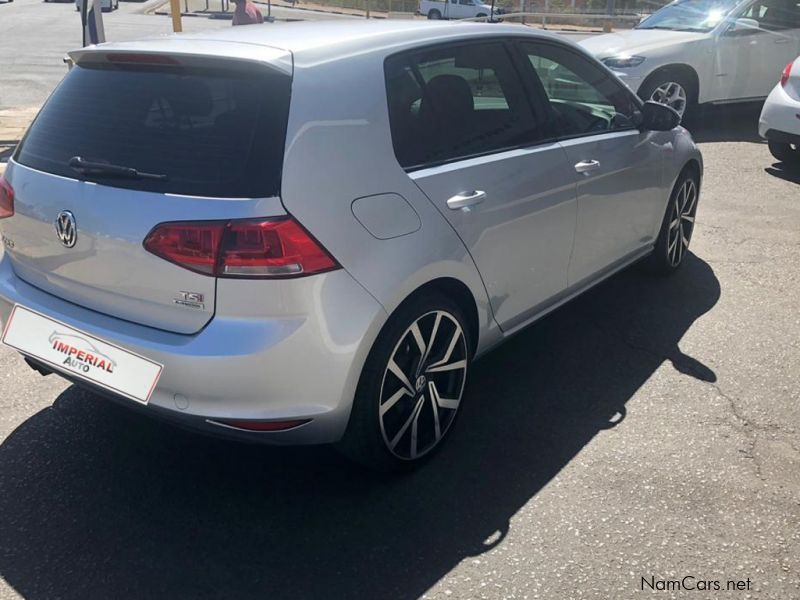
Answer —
412 425
788 153
434 15
660 78
481 15
663 261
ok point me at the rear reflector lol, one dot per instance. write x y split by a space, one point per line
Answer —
6 199
785 75
262 425
263 248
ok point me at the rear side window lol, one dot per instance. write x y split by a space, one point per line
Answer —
217 132
455 101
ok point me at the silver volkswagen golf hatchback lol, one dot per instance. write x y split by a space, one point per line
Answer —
305 233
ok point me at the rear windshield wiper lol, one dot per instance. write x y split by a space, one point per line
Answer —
87 167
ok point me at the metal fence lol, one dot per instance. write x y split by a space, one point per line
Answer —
562 10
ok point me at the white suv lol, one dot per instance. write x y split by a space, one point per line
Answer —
697 51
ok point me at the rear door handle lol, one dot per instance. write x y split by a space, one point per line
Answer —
587 166
465 199
782 40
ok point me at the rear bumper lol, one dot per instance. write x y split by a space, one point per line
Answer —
773 135
302 364
780 117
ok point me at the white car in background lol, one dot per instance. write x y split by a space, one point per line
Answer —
779 123
456 9
704 51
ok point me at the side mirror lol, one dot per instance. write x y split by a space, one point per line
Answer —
743 26
659 117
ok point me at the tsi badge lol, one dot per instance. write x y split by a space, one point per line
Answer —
190 300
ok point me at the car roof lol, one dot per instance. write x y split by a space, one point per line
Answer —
309 41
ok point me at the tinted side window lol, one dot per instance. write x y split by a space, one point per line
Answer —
582 99
454 102
212 132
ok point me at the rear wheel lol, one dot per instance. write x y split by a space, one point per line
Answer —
788 153
434 14
411 386
677 227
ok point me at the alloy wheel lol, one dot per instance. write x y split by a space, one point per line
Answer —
672 94
681 223
423 384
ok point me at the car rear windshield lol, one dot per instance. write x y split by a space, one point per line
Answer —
206 132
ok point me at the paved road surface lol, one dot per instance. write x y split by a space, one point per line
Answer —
647 429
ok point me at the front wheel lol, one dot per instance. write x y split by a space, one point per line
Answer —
677 227
411 387
788 153
673 90
434 15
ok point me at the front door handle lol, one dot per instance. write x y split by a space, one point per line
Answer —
782 40
465 199
587 166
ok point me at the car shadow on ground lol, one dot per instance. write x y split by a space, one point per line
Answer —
100 502
785 171
727 123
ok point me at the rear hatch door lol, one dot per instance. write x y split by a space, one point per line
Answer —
206 139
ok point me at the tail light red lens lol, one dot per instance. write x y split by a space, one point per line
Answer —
252 248
785 75
6 199
190 245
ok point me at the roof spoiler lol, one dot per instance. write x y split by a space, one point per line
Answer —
194 53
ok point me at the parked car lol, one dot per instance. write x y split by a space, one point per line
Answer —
704 51
293 242
105 5
456 9
779 123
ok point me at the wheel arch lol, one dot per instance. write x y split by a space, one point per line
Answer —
693 165
460 293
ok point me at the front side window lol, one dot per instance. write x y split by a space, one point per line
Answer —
454 102
774 15
581 98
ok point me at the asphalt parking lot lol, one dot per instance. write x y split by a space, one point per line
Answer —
647 429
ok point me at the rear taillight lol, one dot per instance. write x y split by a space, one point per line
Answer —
251 248
785 74
6 199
